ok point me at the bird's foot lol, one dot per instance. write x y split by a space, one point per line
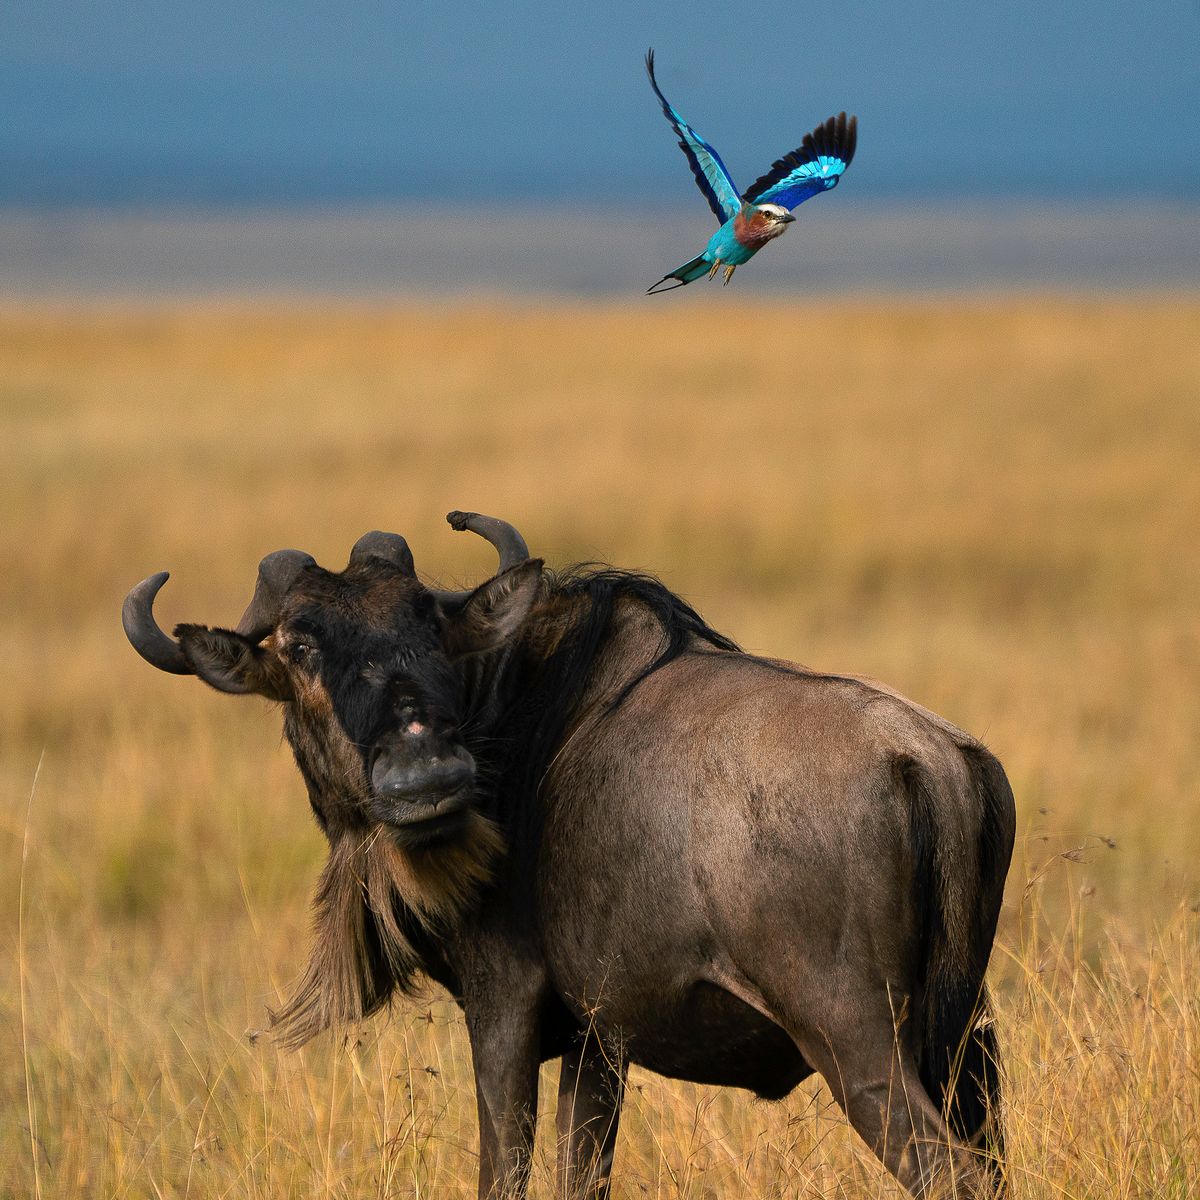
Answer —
729 270
714 268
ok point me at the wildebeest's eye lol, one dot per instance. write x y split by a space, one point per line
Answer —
302 653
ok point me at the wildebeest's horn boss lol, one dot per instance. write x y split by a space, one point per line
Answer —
276 574
390 547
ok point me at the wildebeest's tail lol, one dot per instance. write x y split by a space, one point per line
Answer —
958 899
682 275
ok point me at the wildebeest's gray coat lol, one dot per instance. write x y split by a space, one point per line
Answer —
616 838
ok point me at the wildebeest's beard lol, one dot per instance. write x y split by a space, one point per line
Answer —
372 897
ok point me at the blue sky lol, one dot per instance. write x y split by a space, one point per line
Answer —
227 103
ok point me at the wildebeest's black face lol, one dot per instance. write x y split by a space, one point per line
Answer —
380 681
369 668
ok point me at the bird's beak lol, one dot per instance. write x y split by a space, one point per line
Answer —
787 218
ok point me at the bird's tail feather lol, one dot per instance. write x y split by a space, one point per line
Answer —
682 275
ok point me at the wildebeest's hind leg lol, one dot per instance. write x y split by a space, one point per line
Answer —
874 1078
591 1085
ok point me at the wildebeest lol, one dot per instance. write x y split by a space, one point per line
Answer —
616 838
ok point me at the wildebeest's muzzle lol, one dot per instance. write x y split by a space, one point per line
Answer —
421 783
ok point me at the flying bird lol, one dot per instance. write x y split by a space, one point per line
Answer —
751 219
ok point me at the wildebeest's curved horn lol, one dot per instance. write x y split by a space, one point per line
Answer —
276 574
137 615
390 547
510 545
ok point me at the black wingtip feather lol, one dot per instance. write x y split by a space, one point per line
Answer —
834 136
654 81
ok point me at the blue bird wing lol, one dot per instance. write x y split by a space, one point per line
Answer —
813 167
711 175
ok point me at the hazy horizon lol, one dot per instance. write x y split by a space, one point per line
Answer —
393 251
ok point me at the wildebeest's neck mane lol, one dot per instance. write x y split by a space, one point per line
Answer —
547 683
604 588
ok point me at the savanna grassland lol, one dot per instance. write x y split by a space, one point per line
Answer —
991 504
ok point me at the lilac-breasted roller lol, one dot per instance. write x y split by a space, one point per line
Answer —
762 212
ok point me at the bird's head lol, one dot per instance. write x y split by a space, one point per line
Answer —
772 218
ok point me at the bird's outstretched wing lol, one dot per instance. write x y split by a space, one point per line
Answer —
711 176
813 167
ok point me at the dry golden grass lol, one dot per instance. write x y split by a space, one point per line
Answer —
990 504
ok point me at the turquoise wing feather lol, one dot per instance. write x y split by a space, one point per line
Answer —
712 177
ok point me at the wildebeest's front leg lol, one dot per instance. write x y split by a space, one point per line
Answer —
590 1088
504 1048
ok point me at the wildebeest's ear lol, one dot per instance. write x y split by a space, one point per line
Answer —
232 663
494 611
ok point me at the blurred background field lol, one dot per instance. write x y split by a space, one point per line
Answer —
990 503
